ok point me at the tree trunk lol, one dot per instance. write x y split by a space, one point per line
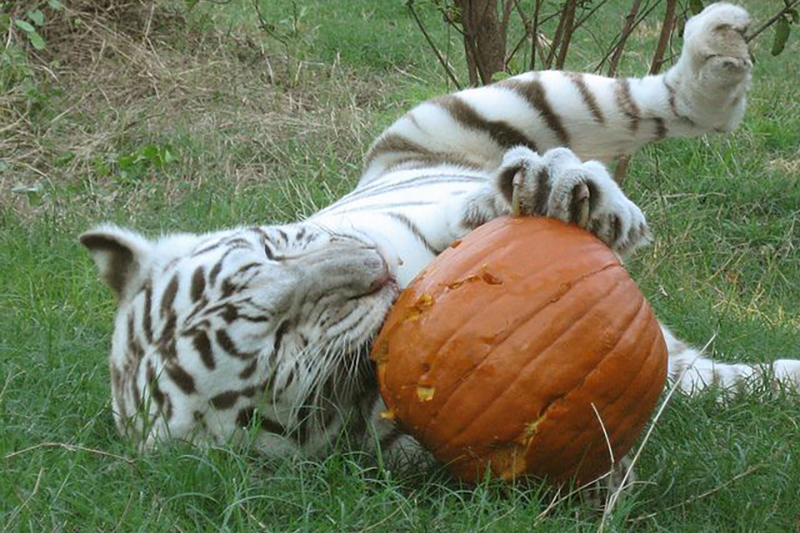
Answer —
484 38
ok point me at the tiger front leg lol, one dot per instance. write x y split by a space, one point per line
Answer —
557 184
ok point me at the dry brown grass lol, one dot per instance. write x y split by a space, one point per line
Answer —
124 74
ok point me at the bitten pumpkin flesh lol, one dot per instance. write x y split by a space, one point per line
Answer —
509 349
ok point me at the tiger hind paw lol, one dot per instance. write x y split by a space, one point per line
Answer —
713 73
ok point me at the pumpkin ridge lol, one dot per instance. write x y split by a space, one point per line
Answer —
577 389
617 438
522 371
440 289
597 366
517 369
452 253
559 293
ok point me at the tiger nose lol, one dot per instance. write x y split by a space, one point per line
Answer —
375 270
382 274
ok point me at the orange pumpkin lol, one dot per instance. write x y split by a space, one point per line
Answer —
509 349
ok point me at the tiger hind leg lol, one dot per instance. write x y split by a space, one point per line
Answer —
693 372
708 84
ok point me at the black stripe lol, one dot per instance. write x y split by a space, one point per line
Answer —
225 400
671 91
226 343
249 370
166 343
626 104
587 96
500 131
305 416
150 374
661 128
246 267
137 397
413 228
198 284
131 335
393 143
416 162
228 287
542 195
420 180
268 251
207 249
230 312
246 415
236 242
282 329
672 105
181 378
202 344
168 298
534 92
147 320
212 278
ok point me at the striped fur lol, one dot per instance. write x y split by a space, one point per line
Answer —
268 328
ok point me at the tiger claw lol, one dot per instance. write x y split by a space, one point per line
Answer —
582 206
516 184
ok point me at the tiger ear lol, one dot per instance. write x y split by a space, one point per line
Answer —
119 254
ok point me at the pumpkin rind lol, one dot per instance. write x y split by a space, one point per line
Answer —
498 354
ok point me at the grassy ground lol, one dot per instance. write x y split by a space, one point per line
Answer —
192 123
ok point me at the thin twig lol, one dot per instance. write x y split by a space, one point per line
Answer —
588 15
569 31
535 33
612 48
612 501
627 28
705 494
382 520
24 504
527 25
516 49
663 39
771 21
557 500
605 434
667 26
621 171
557 38
410 6
9 376
262 23
68 447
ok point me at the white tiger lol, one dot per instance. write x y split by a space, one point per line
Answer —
268 328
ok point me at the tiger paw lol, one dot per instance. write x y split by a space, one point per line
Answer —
711 78
557 184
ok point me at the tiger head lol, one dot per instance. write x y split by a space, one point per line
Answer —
214 330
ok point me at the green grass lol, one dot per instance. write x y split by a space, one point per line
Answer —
263 133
